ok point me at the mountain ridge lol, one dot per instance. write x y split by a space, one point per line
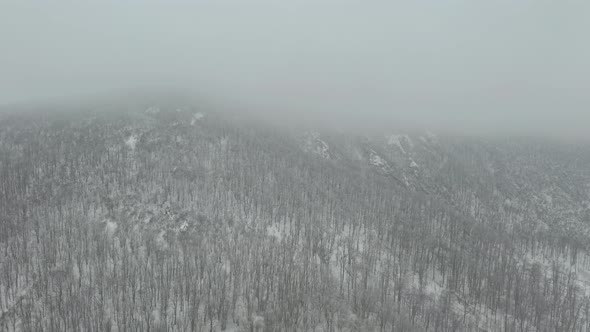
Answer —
280 229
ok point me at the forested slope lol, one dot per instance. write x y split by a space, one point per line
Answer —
169 217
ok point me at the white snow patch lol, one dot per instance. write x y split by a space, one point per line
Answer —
396 140
156 317
358 154
273 231
161 242
110 227
76 271
226 265
197 117
313 143
258 322
312 135
131 142
408 141
224 141
548 198
434 289
153 110
322 149
184 226
376 160
413 164
406 182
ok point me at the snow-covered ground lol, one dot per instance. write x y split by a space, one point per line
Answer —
197 117
153 110
110 227
376 160
131 142
314 144
396 140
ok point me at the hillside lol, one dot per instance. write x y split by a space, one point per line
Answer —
166 216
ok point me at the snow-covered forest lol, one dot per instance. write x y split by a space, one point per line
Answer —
171 217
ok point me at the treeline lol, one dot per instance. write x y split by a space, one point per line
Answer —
213 226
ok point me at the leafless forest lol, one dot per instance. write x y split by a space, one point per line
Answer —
169 217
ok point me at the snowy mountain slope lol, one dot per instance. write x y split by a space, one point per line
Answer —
186 219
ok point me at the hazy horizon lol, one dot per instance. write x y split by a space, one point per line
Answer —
462 66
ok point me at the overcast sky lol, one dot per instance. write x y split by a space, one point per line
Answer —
494 66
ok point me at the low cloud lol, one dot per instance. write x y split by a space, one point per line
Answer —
493 67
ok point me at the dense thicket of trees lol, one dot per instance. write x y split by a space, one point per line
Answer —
213 225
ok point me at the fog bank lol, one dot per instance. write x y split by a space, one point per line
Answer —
471 66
